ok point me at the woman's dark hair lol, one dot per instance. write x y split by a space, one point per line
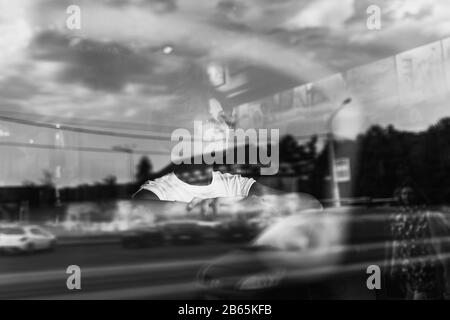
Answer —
419 196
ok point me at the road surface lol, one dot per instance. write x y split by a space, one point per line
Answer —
108 272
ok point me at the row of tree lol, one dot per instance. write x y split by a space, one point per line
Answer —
384 158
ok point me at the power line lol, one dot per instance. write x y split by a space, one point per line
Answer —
305 137
85 149
136 126
108 133
83 130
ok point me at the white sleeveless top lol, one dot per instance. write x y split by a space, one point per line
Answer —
171 188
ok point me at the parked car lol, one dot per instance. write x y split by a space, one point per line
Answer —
18 238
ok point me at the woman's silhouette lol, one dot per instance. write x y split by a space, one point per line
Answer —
415 262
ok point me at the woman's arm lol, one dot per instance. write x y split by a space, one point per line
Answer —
301 200
263 197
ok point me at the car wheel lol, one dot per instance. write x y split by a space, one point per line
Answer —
30 248
196 239
52 246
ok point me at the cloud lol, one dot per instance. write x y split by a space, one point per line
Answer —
18 88
258 15
15 35
335 32
107 66
322 13
117 51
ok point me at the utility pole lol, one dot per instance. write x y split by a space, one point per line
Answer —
130 150
332 156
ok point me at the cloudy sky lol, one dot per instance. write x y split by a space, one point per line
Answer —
113 74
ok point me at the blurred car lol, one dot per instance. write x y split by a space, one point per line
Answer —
308 256
262 222
183 231
17 238
237 230
142 237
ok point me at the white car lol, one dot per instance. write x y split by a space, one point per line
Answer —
25 238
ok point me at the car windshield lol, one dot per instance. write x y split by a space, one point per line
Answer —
38 231
12 231
283 236
302 232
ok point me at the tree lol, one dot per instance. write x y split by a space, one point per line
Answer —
28 183
387 158
312 147
109 180
291 151
47 179
144 170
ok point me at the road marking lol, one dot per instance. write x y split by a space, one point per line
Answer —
149 292
59 274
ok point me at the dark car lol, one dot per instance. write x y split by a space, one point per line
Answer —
143 237
315 255
183 231
237 230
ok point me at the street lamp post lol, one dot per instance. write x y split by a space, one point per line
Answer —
130 150
332 156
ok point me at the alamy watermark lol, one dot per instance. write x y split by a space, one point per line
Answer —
208 143
73 281
374 280
73 21
373 21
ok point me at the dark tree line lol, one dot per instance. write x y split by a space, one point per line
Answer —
389 158
384 158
